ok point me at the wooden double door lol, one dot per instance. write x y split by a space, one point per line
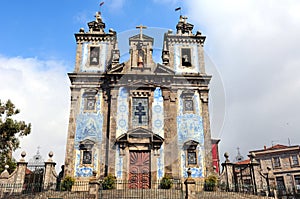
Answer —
139 170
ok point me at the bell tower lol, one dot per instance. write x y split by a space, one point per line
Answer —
96 52
141 48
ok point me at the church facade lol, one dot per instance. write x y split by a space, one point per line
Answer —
139 120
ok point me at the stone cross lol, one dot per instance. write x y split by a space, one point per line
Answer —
140 112
141 27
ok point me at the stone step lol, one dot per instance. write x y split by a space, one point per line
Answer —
224 195
141 193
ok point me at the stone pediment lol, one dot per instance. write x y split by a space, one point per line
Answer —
140 136
163 69
86 144
145 38
190 145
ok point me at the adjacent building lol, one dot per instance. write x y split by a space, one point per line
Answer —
283 162
271 168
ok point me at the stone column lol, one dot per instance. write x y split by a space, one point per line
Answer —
207 134
50 173
20 175
94 185
228 169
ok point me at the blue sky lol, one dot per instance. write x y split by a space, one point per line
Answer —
252 51
45 29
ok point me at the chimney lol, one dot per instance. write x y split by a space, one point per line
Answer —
265 148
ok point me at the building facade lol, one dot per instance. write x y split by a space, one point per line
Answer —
283 164
139 120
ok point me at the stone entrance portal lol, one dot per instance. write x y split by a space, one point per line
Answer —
139 170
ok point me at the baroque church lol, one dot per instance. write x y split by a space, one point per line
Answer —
139 120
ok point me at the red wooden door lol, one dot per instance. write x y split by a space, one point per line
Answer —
139 170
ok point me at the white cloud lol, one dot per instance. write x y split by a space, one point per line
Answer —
255 46
40 89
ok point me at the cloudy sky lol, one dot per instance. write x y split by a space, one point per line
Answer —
252 51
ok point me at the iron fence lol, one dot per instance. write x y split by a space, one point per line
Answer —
123 190
37 190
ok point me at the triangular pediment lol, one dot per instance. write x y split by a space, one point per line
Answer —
86 144
140 133
163 69
144 38
190 145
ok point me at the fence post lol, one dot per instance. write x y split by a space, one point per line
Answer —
94 185
50 173
189 184
229 172
21 171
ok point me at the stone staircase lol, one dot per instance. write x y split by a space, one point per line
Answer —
171 194
141 193
51 195
224 195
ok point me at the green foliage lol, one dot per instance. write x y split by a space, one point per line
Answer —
67 183
11 162
109 182
210 183
166 183
10 132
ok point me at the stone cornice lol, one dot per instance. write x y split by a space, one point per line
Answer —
83 37
185 39
141 80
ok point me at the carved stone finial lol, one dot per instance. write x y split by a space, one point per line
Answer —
5 173
23 154
98 17
226 155
50 154
81 30
252 157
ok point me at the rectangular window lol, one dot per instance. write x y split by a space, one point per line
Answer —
139 111
297 183
276 161
280 185
192 157
94 55
295 160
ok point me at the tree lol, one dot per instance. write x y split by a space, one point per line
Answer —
10 132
